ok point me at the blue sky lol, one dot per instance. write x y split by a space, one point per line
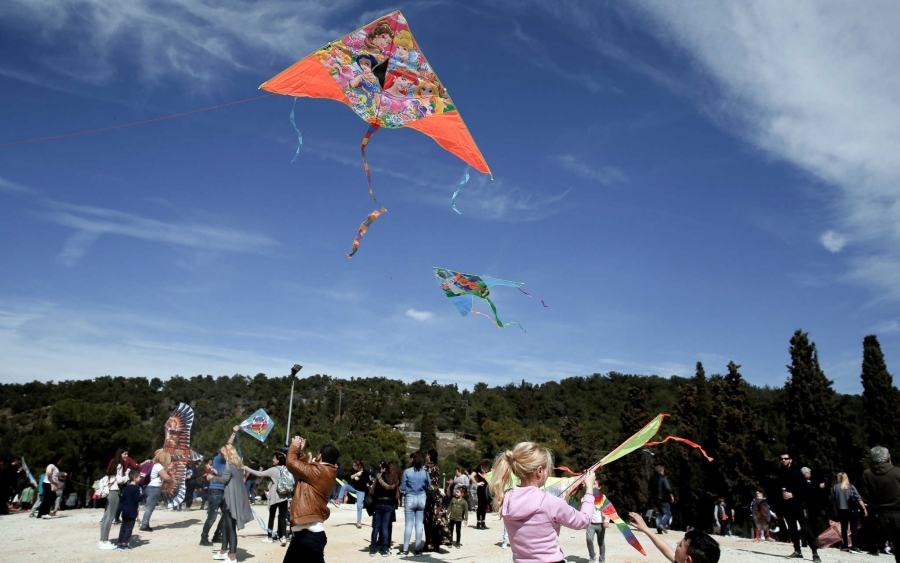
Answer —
678 181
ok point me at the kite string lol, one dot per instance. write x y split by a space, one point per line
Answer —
38 140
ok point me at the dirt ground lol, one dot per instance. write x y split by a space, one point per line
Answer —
72 537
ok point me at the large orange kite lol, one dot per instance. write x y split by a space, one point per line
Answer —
379 71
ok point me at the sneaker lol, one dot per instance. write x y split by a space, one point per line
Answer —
371 553
504 545
417 554
219 556
46 517
855 550
403 554
106 545
358 525
117 522
816 558
796 555
283 542
205 542
268 540
385 554
145 529
124 548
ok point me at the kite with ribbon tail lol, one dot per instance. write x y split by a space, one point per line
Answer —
601 502
380 72
462 289
28 473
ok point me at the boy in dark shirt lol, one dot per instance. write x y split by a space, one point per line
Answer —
128 502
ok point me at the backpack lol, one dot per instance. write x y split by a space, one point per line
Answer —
146 470
102 488
285 484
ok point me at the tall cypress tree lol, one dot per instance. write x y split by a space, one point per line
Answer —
704 406
881 400
429 432
735 440
686 471
626 478
812 408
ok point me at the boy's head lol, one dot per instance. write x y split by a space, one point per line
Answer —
134 475
697 547
459 492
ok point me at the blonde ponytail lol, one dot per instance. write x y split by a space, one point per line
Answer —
519 462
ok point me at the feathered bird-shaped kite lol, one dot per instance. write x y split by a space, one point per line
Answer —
380 72
178 444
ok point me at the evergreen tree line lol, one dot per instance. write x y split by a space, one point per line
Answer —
742 426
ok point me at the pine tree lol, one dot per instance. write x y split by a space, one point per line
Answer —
881 399
627 477
812 408
701 428
735 441
428 432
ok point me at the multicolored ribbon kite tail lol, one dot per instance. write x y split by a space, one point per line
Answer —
373 216
607 508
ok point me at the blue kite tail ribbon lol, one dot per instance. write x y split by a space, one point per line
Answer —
462 183
532 296
299 136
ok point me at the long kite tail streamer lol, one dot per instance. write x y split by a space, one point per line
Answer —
497 320
363 227
532 296
371 217
607 508
262 524
683 441
299 136
462 183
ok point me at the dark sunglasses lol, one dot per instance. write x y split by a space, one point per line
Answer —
785 459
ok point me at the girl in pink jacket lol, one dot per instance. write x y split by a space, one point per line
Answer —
531 516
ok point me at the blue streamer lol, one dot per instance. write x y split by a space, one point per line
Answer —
462 183
299 136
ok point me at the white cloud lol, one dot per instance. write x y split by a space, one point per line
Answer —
813 83
419 315
886 327
834 242
7 186
606 175
198 41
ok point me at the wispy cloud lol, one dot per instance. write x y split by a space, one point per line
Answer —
813 83
538 56
886 327
197 41
419 315
606 175
92 222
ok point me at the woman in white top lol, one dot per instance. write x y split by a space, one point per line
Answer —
51 486
277 503
162 464
115 476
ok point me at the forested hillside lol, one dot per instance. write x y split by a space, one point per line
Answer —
741 426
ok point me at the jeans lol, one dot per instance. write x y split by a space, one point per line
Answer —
414 513
306 547
599 531
112 503
125 530
215 499
152 498
281 508
251 489
381 528
229 530
360 495
665 510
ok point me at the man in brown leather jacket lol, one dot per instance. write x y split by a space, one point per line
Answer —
309 507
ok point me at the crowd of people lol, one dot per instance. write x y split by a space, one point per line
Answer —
300 486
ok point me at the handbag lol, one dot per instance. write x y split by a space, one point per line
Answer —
369 504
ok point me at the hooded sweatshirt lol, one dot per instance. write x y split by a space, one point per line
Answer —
881 486
533 518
